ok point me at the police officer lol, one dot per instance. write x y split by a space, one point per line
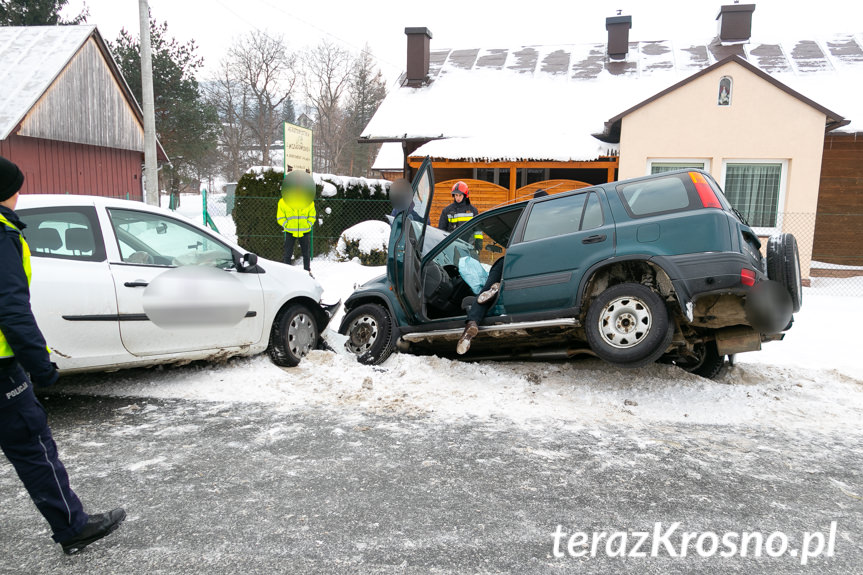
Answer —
296 214
25 437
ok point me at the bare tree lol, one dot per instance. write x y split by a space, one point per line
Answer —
326 79
229 95
265 68
366 92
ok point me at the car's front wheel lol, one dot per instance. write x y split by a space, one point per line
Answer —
370 333
294 335
627 325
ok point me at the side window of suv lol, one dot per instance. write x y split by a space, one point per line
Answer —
564 215
655 196
592 217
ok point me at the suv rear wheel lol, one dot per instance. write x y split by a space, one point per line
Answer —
370 333
627 325
783 266
705 362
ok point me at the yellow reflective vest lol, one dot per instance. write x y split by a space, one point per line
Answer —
296 221
5 348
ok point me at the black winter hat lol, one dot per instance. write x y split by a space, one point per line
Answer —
11 179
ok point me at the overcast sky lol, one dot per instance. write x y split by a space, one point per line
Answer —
460 24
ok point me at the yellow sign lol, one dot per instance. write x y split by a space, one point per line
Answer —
298 148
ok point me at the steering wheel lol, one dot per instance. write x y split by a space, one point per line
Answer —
141 257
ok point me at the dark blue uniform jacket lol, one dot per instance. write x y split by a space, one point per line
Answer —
16 318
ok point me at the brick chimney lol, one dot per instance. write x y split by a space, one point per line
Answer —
418 56
618 36
735 23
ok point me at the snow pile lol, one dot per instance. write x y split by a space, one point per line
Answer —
580 393
809 382
329 190
365 237
330 182
390 158
347 181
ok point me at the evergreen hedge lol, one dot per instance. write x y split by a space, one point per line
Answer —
257 196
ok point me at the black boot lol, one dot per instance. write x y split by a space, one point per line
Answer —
97 526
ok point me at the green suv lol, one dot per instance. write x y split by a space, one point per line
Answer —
653 268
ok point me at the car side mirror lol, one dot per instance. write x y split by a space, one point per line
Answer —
247 262
161 228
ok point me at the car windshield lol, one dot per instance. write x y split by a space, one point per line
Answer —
433 237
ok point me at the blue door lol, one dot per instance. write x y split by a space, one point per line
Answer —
560 238
406 241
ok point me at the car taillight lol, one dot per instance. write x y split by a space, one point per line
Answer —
705 192
747 277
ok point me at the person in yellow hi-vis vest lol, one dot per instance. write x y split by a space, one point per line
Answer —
25 437
296 214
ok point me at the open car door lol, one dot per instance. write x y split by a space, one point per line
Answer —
406 240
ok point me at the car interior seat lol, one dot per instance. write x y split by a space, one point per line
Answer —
79 240
44 239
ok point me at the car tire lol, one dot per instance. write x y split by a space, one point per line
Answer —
627 325
783 266
370 333
294 334
708 362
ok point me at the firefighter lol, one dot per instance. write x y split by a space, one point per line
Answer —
459 212
296 214
25 437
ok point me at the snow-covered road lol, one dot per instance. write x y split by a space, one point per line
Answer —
812 380
426 465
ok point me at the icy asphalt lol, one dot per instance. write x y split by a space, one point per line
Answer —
223 488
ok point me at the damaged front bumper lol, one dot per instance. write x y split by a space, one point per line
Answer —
329 311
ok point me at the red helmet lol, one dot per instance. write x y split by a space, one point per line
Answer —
461 188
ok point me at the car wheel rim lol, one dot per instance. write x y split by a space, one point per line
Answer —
301 335
362 334
625 322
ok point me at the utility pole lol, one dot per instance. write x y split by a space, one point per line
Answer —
151 169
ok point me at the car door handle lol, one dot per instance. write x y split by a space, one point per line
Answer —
137 283
594 239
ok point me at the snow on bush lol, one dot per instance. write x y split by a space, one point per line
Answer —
367 241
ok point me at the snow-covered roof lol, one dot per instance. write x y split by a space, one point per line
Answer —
544 102
390 158
31 58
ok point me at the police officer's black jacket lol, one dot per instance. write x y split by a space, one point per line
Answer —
16 317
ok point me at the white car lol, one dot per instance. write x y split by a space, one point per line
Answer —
120 284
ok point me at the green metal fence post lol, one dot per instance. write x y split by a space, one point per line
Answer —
208 221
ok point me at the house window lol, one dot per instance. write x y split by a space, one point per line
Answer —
724 98
660 166
756 189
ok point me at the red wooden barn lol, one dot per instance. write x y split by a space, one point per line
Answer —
67 116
